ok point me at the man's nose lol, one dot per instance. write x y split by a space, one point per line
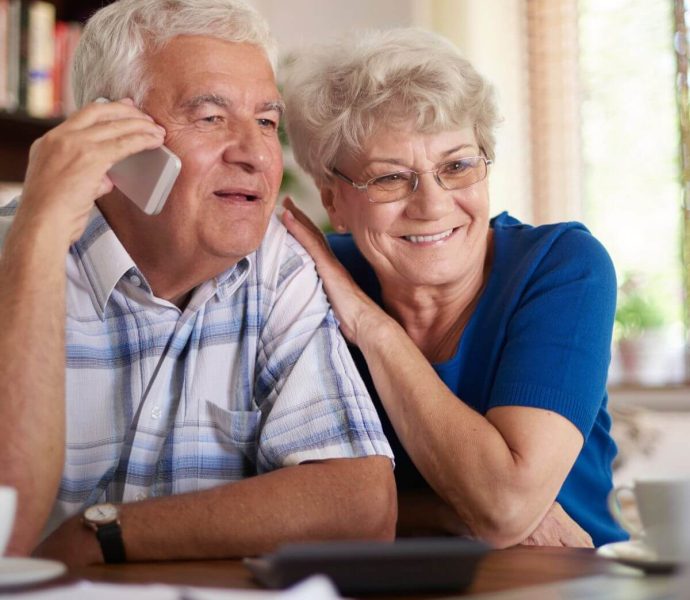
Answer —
248 146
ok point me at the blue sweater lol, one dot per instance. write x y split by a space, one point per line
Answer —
539 337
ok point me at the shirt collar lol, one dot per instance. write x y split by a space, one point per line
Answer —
103 258
228 281
104 261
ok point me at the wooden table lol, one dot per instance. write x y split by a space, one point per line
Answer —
500 570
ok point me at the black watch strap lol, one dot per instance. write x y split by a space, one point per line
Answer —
112 546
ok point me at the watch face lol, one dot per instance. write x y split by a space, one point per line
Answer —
101 513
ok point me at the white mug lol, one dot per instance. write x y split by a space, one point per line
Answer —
8 505
664 509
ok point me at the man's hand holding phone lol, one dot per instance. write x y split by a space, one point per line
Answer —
68 165
146 177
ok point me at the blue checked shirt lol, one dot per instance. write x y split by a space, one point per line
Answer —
251 376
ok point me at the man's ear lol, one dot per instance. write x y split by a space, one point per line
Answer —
328 201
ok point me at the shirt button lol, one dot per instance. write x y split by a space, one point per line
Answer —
135 280
156 412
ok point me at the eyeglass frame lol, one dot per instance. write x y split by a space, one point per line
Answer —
364 187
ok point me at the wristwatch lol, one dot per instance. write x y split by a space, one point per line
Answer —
104 520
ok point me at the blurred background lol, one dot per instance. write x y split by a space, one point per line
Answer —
596 128
591 94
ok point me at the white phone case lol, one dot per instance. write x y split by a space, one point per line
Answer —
147 177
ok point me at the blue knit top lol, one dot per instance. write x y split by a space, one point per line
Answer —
540 337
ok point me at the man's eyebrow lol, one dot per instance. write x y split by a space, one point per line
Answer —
223 102
202 99
277 105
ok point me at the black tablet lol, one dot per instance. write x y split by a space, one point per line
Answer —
406 565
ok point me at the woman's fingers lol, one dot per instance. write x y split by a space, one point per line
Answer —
559 529
301 217
571 532
305 232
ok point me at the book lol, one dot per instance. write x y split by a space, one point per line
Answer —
12 72
40 58
4 16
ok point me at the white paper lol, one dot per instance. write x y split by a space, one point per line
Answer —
317 587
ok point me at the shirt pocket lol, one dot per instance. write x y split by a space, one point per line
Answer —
237 431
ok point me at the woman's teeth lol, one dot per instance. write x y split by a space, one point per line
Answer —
418 239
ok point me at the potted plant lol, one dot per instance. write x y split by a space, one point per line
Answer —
639 330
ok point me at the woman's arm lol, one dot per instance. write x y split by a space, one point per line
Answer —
421 513
500 472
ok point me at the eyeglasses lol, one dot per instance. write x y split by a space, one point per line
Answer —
452 175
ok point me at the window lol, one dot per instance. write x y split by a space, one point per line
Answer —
632 197
606 150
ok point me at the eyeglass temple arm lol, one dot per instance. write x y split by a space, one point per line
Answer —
362 187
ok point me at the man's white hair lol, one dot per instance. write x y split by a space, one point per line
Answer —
110 58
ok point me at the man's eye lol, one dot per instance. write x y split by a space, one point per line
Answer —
268 123
212 119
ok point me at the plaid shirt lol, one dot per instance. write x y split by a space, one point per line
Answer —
251 376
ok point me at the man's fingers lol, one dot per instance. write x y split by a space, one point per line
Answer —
105 187
106 130
101 147
114 150
97 111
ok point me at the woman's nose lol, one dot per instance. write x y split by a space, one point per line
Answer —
429 201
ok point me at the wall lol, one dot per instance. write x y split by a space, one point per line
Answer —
491 34
298 22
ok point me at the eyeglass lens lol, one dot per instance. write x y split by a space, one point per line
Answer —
452 175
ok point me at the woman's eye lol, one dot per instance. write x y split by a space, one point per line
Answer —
392 178
457 166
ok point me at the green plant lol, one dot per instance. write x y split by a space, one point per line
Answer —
290 182
638 308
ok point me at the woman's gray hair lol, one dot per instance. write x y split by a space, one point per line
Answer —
338 95
110 58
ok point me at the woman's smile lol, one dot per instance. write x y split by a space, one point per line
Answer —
430 238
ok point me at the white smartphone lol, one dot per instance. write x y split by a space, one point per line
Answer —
146 177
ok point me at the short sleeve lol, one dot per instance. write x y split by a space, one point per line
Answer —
314 402
558 340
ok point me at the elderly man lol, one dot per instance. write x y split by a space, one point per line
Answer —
184 373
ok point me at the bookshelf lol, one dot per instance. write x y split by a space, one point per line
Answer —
17 129
17 132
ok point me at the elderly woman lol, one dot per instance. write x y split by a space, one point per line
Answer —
486 341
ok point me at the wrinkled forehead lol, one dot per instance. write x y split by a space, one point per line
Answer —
189 66
393 137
